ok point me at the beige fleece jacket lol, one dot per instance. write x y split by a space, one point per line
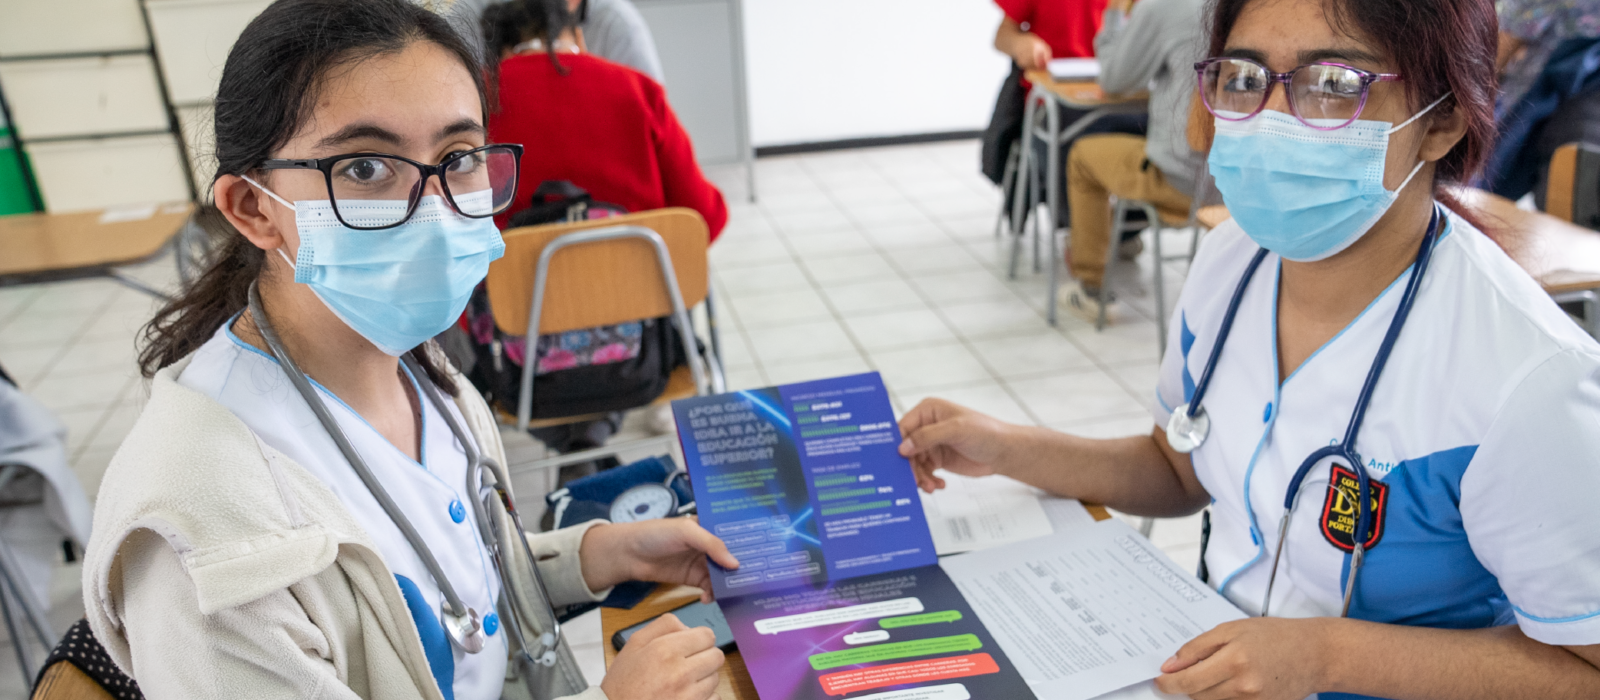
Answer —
219 568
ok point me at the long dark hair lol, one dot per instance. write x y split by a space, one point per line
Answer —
269 86
1440 46
506 24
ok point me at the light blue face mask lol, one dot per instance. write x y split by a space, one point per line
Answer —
398 286
1299 192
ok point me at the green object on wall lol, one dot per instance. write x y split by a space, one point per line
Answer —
16 190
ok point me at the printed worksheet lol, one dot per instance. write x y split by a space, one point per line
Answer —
971 514
1090 614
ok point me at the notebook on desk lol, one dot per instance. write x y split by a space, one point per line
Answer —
1074 69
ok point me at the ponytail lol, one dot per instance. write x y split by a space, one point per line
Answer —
220 292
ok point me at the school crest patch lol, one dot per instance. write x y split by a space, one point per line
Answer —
1339 509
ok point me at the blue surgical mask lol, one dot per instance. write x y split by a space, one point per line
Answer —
1299 192
397 286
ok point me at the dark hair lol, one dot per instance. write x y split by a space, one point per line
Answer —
269 86
506 24
1439 46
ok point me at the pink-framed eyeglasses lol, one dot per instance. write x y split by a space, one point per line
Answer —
1324 96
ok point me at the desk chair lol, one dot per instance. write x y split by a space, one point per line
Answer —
638 266
80 669
1158 223
1572 191
17 598
1026 196
1006 180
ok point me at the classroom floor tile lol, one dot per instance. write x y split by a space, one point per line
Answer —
876 259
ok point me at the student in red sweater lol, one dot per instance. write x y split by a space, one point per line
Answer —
1032 32
1035 31
605 127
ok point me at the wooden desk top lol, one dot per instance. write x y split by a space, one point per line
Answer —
733 682
43 243
1561 256
1083 94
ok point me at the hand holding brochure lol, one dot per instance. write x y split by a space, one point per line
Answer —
804 483
839 592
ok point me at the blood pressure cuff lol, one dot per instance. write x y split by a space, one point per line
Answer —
589 498
582 500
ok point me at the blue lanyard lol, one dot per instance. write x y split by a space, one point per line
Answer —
1194 414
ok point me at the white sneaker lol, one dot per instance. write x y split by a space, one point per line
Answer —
1083 303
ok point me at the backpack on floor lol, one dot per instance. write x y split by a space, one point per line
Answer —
591 370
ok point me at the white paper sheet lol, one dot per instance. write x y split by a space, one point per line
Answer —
1086 614
1074 68
132 212
1065 514
971 514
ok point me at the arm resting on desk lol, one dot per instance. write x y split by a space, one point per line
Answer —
1275 657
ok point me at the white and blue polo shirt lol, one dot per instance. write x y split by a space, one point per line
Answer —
432 494
1482 440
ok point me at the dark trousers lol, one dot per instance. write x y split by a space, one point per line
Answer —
1005 126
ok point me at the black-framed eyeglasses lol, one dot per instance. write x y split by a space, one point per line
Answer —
1324 96
478 183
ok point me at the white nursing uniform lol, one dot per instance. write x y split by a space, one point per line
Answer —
432 494
1483 437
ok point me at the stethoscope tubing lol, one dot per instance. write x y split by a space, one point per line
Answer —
549 640
301 383
1222 333
490 532
1345 448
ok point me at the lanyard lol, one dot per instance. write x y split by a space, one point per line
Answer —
1190 426
462 624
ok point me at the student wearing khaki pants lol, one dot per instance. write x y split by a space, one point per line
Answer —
1153 43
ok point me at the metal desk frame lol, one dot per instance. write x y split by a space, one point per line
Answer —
1053 136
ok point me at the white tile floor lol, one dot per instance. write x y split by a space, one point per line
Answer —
878 259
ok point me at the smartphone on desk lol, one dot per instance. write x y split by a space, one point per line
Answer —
696 614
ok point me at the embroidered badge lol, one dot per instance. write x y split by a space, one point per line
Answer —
1339 509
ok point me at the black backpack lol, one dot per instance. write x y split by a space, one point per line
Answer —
601 388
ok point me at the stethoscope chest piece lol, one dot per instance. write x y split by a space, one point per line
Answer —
466 631
1186 433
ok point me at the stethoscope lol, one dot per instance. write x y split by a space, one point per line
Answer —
462 624
1189 426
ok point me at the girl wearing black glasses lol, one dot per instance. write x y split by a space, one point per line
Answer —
299 511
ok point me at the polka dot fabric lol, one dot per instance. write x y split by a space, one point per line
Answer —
81 649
